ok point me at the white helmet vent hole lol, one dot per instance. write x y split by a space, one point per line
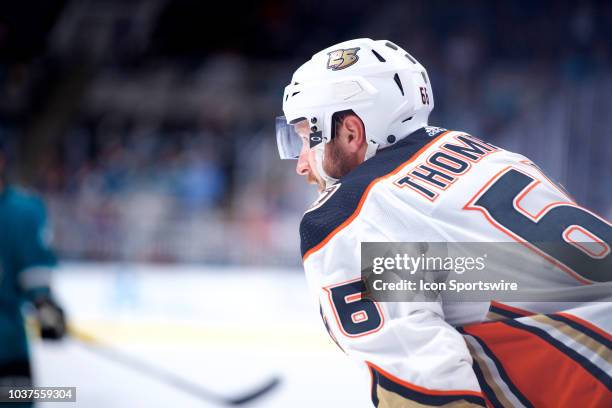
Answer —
424 77
407 119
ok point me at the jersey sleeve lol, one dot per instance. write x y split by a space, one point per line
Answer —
34 254
414 357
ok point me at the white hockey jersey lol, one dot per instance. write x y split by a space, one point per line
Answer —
446 186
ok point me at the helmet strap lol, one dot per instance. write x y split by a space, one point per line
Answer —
320 156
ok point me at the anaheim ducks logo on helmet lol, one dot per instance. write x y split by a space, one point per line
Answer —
342 58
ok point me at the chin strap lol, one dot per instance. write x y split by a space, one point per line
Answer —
320 155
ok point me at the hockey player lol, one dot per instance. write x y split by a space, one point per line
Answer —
356 120
26 262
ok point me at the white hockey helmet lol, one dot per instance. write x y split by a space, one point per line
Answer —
380 82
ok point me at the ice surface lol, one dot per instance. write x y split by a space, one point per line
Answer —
226 329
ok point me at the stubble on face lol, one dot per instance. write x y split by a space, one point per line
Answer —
337 162
312 177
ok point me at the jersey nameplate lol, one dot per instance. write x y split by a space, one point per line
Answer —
444 166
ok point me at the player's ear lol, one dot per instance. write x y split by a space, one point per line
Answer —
355 133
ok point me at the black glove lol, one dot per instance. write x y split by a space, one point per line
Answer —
51 319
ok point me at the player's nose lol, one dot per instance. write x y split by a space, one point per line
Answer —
302 166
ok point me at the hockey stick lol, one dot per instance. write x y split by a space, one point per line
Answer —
92 344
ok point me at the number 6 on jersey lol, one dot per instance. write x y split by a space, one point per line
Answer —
355 314
569 236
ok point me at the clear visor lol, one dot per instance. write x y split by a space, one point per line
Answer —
290 137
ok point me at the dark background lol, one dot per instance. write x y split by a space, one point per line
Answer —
147 125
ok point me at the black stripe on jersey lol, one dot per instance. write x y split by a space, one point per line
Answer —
317 224
595 371
500 368
417 396
582 328
484 386
504 312
373 391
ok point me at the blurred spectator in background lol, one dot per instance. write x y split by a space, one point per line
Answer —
26 262
135 119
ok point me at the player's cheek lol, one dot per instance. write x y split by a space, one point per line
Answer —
312 162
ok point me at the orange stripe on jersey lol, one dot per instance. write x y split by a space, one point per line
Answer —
545 375
365 195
